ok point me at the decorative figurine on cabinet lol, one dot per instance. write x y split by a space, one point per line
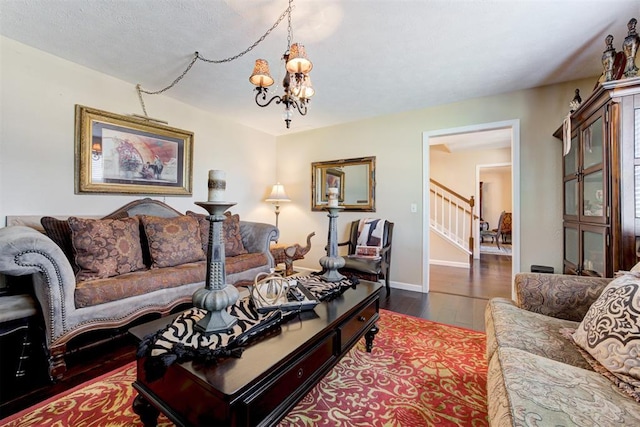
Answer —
630 49
608 58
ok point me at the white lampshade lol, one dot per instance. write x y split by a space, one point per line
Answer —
278 194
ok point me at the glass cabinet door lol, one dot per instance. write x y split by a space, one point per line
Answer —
571 248
571 158
593 144
592 174
593 194
594 250
571 198
571 192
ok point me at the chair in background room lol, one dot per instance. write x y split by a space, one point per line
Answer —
369 250
502 232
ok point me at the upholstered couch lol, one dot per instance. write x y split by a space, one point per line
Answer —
537 374
143 258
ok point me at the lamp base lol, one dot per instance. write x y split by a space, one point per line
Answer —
215 321
215 301
331 266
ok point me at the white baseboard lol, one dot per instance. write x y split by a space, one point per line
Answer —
406 286
450 263
306 270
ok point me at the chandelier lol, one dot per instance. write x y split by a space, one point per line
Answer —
296 84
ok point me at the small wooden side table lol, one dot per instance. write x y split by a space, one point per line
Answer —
16 313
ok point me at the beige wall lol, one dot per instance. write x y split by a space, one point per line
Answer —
39 92
396 141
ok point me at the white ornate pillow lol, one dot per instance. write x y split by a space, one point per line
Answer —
610 331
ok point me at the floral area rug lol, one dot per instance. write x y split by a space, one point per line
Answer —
420 373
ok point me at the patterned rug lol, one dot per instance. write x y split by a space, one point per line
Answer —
492 248
420 373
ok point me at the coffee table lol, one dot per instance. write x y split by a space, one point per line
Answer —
272 375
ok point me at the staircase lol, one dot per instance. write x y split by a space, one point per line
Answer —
452 217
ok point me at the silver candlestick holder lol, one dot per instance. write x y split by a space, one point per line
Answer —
332 262
216 296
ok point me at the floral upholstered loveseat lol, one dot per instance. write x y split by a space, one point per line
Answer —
565 353
143 258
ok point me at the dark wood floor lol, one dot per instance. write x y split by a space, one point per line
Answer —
458 297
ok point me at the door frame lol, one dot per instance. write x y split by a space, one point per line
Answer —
514 125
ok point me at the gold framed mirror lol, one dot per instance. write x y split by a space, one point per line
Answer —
354 178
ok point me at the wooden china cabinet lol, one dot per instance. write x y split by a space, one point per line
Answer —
601 175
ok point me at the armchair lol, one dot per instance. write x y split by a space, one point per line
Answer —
367 267
503 230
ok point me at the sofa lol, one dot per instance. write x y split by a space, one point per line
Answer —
102 273
542 372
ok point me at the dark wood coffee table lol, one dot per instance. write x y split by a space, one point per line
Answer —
272 375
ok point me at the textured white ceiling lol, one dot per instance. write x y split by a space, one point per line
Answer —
370 58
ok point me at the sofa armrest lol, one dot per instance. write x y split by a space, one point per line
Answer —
257 237
558 295
23 251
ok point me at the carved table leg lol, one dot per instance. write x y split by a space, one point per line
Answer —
147 412
369 336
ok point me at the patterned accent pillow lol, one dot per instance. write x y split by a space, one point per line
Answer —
59 231
105 247
203 224
610 331
173 241
233 245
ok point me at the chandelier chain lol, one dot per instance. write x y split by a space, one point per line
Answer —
289 30
197 56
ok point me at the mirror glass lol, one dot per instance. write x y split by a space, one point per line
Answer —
354 178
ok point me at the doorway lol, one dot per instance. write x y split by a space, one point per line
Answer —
471 135
494 198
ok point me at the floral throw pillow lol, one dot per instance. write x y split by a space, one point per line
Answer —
610 331
105 247
173 241
231 230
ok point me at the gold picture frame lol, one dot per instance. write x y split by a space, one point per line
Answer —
355 178
127 155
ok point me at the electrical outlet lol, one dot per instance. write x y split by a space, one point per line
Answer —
414 208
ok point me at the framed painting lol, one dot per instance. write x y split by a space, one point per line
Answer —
333 178
127 155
